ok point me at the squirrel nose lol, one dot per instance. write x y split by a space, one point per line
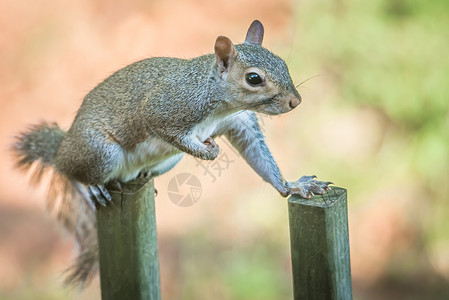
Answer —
295 102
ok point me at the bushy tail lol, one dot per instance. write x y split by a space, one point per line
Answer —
35 150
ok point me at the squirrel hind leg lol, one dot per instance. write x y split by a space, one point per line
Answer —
99 194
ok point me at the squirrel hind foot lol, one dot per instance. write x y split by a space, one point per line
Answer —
145 174
114 185
99 195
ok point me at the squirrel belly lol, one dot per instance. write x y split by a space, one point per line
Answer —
155 156
152 156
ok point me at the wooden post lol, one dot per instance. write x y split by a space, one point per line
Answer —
127 240
320 246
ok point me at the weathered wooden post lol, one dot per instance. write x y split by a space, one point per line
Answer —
320 246
127 239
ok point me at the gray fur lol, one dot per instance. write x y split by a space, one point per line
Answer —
145 116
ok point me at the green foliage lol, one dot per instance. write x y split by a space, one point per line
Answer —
256 271
254 275
390 57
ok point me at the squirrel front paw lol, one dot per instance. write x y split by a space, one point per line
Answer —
212 149
307 186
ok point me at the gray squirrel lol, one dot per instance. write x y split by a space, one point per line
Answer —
144 117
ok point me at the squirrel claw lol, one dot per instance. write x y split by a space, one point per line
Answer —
99 194
114 185
144 174
308 186
212 149
210 142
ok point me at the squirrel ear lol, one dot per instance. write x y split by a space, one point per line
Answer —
224 53
255 33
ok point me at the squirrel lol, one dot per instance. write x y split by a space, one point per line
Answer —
143 118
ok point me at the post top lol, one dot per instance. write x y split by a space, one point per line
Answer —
326 200
133 187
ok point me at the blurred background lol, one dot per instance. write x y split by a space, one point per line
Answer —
374 120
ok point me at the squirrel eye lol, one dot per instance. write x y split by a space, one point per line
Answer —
253 78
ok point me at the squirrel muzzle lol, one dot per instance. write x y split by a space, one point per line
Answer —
294 101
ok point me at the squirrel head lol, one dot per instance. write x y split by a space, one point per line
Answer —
253 77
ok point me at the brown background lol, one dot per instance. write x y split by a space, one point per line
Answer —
54 52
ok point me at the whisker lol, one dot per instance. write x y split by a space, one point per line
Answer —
292 35
307 80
